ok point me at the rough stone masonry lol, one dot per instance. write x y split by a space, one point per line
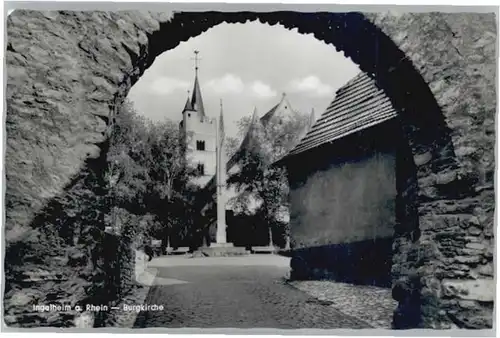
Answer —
67 71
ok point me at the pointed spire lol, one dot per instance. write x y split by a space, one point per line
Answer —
255 117
188 105
312 119
284 100
196 100
254 123
252 134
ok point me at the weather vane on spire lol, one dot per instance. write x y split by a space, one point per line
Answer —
196 59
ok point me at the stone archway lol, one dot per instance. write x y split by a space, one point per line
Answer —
73 68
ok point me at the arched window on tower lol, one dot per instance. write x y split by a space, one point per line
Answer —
200 145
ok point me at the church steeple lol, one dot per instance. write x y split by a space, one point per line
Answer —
188 105
312 119
255 118
196 100
251 138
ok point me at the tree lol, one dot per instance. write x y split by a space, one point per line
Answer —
127 171
147 172
232 145
168 160
257 181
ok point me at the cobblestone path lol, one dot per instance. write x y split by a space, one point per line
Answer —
371 304
225 296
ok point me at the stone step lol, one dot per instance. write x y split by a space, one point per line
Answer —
223 251
264 249
179 250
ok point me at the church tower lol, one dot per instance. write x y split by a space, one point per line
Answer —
200 134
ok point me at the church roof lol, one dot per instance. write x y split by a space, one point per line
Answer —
269 115
252 132
358 105
196 100
188 105
246 143
274 110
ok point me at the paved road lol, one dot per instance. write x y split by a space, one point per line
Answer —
229 294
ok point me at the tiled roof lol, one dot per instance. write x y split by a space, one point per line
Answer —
358 105
267 117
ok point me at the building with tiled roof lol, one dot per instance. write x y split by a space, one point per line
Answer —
358 105
342 179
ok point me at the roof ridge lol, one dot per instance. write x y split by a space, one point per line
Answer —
353 111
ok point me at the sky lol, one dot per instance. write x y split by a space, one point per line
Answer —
246 65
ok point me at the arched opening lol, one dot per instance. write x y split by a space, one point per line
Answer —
438 174
281 74
420 118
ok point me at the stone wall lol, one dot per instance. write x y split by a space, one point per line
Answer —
57 261
67 259
66 71
64 74
453 258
